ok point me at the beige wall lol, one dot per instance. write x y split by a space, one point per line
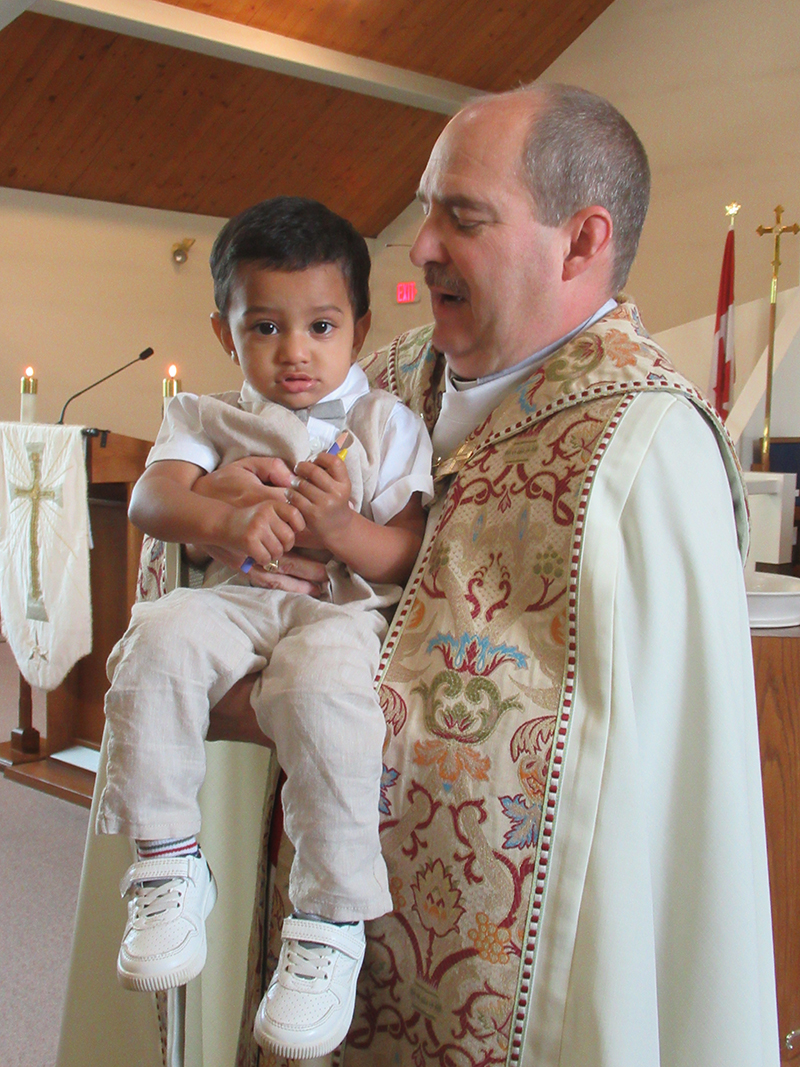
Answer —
85 286
713 89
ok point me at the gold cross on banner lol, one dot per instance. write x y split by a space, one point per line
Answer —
37 494
776 231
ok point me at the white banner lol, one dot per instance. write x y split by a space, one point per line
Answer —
45 597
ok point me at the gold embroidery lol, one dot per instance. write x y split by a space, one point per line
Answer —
37 494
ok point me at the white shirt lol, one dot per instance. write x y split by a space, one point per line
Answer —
405 461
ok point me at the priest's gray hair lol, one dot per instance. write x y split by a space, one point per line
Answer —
581 151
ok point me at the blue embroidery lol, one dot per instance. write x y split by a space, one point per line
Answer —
524 821
476 650
524 403
388 779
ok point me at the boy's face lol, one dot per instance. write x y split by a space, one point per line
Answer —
292 332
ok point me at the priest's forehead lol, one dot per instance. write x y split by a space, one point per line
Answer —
479 155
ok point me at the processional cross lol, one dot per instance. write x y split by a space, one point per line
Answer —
38 494
776 230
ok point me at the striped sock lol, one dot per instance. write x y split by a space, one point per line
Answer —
167 848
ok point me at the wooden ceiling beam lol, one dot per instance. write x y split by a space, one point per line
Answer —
208 35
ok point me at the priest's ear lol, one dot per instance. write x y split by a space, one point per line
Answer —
589 246
220 326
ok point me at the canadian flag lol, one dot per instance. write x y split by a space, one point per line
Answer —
722 366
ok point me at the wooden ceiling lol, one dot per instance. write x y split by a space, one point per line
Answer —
92 113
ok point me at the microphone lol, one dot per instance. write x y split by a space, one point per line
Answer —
142 355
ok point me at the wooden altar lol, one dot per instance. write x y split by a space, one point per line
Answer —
776 657
75 709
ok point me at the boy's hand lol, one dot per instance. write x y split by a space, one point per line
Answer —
263 532
248 481
321 493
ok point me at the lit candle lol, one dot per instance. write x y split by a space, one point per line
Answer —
171 385
28 388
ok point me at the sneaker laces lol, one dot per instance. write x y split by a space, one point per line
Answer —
156 897
308 959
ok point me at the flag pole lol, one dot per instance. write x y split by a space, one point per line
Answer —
776 231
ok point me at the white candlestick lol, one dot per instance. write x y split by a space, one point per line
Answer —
28 388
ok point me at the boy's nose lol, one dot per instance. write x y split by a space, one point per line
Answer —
293 349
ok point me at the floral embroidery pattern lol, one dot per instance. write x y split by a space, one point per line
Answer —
623 350
388 779
489 940
451 760
475 655
472 701
458 712
437 899
525 817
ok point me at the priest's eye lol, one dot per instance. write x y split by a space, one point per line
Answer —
322 327
465 223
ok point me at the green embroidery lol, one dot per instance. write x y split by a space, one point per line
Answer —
466 713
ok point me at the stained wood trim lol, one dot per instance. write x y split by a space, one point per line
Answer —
196 32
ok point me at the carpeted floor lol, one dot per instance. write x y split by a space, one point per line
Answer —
41 848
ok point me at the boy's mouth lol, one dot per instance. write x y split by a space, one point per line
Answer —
297 383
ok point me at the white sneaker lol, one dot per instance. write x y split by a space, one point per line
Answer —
308 1008
165 938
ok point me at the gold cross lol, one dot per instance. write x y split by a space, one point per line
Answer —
37 494
776 230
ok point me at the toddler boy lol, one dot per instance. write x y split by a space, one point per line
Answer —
291 283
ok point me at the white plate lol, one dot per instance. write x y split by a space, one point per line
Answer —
773 600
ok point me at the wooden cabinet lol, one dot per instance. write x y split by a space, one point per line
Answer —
776 657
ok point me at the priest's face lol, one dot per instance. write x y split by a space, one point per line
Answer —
293 333
491 267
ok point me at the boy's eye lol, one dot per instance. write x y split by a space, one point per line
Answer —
266 328
322 327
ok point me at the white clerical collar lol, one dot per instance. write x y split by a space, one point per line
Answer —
523 369
465 404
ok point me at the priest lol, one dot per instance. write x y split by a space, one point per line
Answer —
572 813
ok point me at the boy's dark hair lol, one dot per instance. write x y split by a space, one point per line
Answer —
291 233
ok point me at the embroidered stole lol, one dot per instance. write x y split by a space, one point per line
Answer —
476 683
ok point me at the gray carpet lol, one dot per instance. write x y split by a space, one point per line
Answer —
41 848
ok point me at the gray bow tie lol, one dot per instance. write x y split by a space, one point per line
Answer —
331 411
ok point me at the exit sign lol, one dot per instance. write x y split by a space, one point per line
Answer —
407 293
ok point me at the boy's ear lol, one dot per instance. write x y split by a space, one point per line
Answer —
223 331
360 333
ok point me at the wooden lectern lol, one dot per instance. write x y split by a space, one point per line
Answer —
75 708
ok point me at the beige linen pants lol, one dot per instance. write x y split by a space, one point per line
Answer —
315 700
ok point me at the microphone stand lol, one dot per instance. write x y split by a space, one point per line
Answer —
142 355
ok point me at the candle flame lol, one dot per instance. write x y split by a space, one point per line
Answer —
172 370
29 372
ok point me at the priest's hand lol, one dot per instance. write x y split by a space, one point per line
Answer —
232 718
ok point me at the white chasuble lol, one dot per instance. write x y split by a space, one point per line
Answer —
44 547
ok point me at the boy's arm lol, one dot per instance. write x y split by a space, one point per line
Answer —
377 553
164 506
